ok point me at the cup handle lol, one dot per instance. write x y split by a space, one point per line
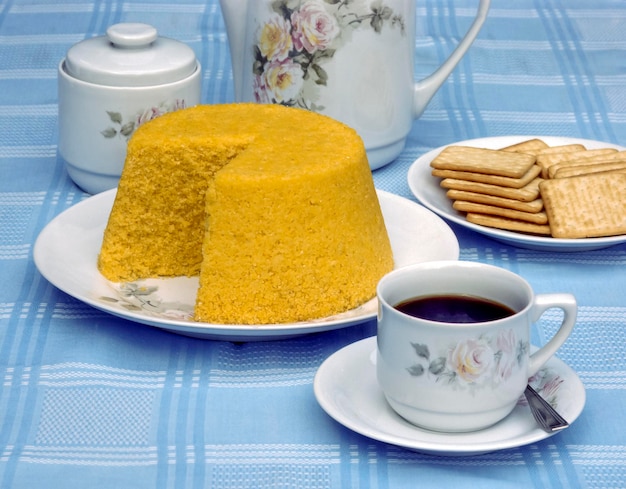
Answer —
425 89
543 302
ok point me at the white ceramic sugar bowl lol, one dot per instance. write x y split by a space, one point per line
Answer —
110 85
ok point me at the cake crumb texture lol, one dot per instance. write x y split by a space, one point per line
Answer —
274 207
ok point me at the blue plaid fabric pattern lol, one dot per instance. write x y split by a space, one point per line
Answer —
91 400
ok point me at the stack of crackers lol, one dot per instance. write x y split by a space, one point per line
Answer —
565 191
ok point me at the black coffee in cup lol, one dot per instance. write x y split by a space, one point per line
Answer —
454 309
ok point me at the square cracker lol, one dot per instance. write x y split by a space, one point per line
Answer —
532 146
586 206
548 160
484 161
563 148
600 158
532 206
490 179
508 224
527 193
578 170
534 217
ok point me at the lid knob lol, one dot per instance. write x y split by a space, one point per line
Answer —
131 35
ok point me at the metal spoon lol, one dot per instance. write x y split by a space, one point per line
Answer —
543 412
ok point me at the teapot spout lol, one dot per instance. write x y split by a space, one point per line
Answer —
234 13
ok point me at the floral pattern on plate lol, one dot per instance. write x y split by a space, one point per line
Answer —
145 297
547 382
142 297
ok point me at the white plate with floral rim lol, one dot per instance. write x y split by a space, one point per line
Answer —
66 252
346 388
427 190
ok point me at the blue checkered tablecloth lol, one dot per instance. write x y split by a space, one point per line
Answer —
88 400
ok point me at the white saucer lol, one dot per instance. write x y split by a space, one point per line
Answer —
66 252
345 386
427 190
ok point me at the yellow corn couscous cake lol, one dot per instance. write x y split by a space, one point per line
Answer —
274 207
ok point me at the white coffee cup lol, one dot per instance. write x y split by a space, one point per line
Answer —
459 377
353 61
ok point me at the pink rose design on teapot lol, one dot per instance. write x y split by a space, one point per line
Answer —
275 40
295 41
313 28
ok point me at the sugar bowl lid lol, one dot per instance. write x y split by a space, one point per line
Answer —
130 55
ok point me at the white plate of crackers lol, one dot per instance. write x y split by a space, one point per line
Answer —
536 192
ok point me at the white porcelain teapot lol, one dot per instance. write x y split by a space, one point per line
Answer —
351 60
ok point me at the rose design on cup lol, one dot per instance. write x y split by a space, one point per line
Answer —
472 362
510 353
296 40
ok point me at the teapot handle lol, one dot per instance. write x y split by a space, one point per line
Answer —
425 89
